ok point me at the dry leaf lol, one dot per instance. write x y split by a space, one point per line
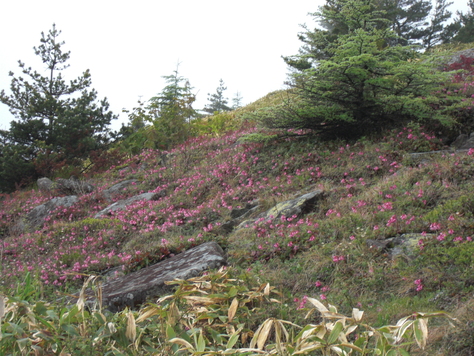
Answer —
233 309
131 332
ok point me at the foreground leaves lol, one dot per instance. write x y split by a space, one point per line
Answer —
215 314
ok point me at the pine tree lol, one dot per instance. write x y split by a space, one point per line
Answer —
433 34
408 19
56 123
165 119
237 101
217 101
462 29
52 115
364 85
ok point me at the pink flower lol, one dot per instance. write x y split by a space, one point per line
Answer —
322 296
392 220
421 244
419 285
318 284
303 302
435 226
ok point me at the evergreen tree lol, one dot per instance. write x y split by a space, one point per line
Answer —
52 115
164 120
365 85
56 123
15 170
433 34
408 19
217 101
462 29
237 101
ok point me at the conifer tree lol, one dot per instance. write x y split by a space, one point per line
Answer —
462 29
433 34
411 21
217 101
408 19
55 122
364 84
51 114
172 110
237 101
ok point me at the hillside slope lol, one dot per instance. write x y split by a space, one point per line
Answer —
341 250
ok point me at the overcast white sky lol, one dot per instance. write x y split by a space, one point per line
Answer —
128 46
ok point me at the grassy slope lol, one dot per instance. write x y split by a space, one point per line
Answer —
375 191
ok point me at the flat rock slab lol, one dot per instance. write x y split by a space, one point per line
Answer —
118 188
134 288
298 206
122 204
403 245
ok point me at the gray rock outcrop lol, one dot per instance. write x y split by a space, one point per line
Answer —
35 218
463 142
44 184
122 204
118 188
403 245
456 57
133 289
73 186
298 206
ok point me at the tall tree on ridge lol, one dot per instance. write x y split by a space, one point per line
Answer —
462 29
358 83
217 101
63 117
171 111
55 122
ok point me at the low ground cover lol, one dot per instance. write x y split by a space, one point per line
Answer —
374 190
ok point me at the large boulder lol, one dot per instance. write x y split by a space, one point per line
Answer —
118 188
463 142
35 218
73 186
297 206
133 289
405 245
456 57
122 204
45 184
